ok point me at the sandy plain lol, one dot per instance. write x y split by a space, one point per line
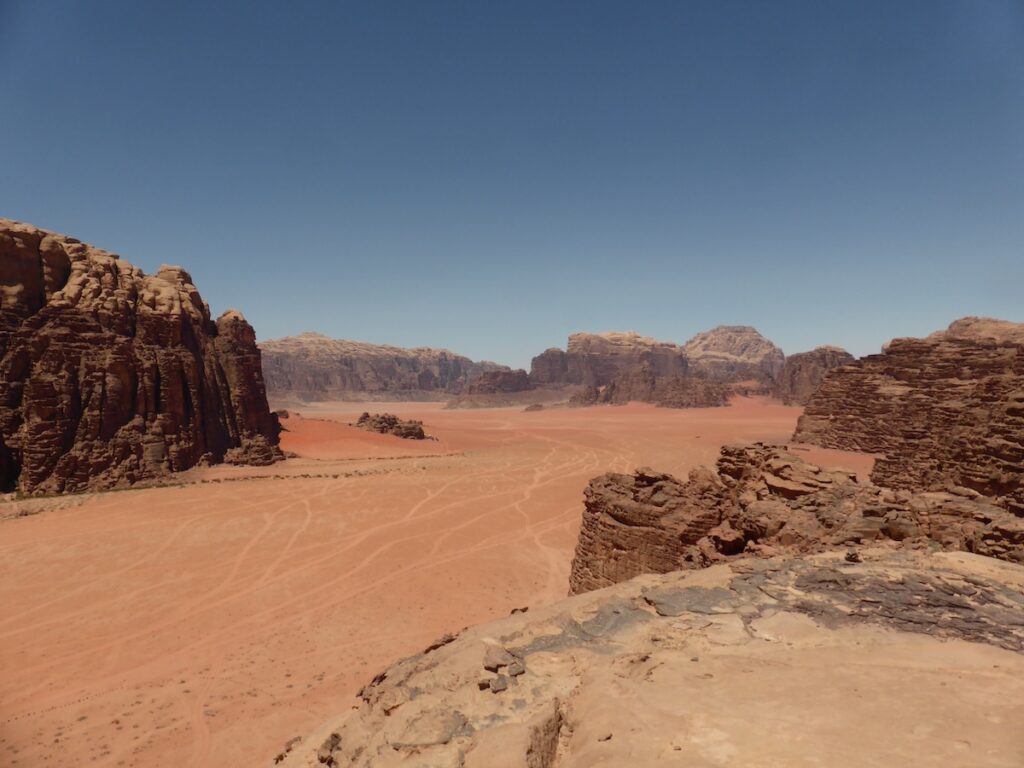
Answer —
209 622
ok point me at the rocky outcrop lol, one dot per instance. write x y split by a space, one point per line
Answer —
734 353
680 669
550 367
498 382
803 373
110 376
944 411
644 386
598 359
313 367
762 501
389 424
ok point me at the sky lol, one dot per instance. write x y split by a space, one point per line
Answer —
490 177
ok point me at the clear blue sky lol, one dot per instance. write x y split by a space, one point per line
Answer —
493 176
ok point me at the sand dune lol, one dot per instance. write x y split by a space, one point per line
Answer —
207 624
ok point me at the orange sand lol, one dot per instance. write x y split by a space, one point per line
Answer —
205 625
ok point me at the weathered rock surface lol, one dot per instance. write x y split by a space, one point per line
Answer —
389 424
597 359
946 411
498 382
110 376
983 328
762 501
734 353
803 373
313 367
750 663
642 385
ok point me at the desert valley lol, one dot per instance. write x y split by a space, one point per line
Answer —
309 551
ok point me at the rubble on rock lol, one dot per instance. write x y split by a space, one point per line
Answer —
680 669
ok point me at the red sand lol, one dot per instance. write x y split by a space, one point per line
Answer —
206 625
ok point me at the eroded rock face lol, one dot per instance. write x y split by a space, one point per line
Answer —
733 353
110 376
598 359
678 670
762 501
943 411
497 382
550 367
643 385
313 367
803 373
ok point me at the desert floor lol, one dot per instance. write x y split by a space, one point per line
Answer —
208 623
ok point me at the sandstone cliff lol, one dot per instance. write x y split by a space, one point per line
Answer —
111 376
499 382
943 411
597 359
803 373
734 353
313 367
642 385
763 500
750 663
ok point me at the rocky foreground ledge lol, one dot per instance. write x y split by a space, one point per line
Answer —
763 500
904 658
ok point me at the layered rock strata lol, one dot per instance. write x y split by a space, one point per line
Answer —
946 411
110 376
680 669
803 373
313 367
763 501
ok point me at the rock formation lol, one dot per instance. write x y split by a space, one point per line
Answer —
803 372
550 367
763 501
597 359
983 328
497 382
722 667
312 367
110 376
389 424
734 353
641 384
943 411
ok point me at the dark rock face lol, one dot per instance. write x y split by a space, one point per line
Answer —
943 411
389 424
644 386
733 353
549 367
313 367
763 501
803 373
109 376
598 359
496 382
